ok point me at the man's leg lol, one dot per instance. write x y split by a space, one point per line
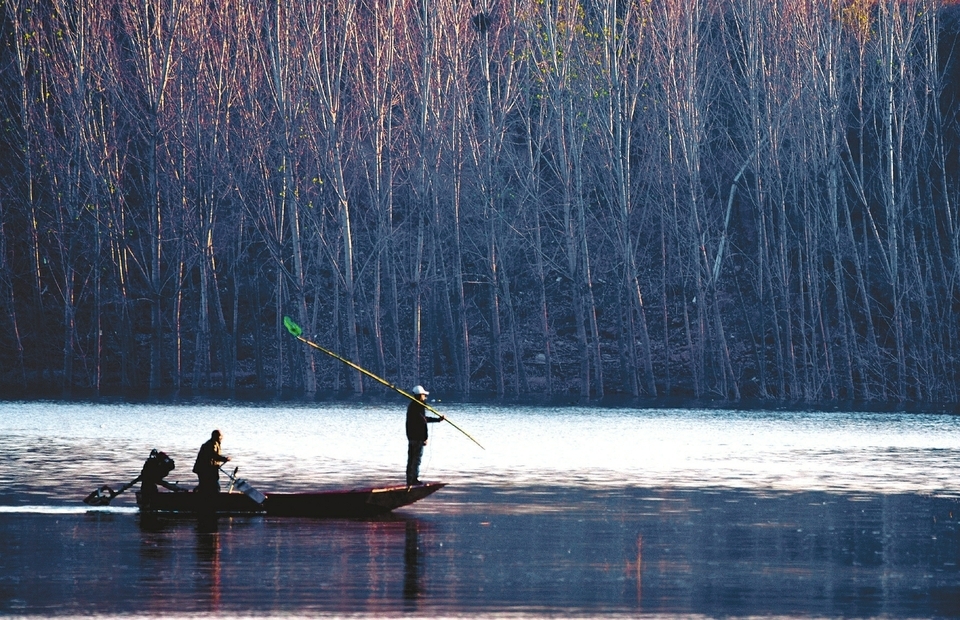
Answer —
208 484
414 455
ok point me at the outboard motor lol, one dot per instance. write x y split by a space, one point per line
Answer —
155 469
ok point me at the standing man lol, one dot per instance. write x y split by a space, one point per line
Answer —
208 464
417 420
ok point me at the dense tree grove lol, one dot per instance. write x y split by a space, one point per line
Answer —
730 199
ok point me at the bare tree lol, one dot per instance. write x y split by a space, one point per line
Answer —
279 45
620 87
529 169
64 141
374 74
559 29
328 31
151 30
20 18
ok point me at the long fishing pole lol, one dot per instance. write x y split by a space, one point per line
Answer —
296 331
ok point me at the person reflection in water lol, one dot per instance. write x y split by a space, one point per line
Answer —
417 420
208 562
412 567
208 464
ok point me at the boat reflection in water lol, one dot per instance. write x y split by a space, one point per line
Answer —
164 542
222 564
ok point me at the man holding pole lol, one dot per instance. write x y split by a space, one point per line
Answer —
417 420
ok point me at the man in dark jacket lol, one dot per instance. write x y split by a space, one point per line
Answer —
208 464
417 420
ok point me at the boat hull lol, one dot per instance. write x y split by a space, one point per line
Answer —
367 502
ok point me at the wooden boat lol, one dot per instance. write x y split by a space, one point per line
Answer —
242 498
367 502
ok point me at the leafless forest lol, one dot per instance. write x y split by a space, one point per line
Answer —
742 200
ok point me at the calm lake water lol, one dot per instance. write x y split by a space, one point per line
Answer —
567 512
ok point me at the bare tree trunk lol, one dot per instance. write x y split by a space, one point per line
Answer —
178 331
21 16
833 128
6 282
152 31
499 31
683 77
330 32
533 181
888 26
279 66
665 261
558 55
950 260
66 63
624 75
374 74
590 301
463 370
425 84
519 373
530 172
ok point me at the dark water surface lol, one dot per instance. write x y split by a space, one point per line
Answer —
566 513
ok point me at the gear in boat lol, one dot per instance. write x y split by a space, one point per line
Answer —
243 498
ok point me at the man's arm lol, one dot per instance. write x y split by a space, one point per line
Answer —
218 458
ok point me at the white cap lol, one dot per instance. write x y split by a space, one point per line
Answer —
418 389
